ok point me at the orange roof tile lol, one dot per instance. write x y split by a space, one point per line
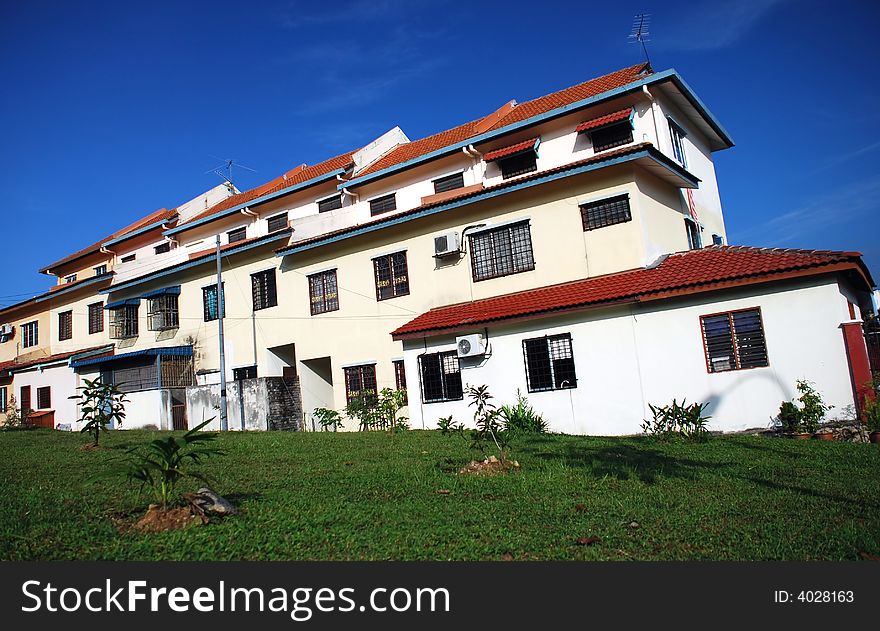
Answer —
519 147
601 121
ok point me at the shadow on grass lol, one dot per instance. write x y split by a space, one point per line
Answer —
780 486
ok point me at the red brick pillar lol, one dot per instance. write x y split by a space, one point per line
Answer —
857 358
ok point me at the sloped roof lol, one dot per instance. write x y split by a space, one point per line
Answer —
601 121
13 365
682 273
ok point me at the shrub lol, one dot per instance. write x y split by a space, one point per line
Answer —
678 419
329 420
447 427
814 408
789 418
379 413
522 417
101 404
14 418
489 429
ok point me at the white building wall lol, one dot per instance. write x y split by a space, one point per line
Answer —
63 382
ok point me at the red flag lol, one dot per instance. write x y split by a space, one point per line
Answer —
692 208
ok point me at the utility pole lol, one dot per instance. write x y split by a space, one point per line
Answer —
224 421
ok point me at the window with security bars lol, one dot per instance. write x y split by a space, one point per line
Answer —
518 164
209 302
44 398
400 377
65 325
124 322
392 277
277 222
323 292
30 334
163 313
549 363
441 377
734 340
612 136
162 248
360 382
96 317
449 183
239 234
331 203
502 251
605 212
263 289
383 204
676 137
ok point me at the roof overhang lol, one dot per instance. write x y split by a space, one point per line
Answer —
166 351
138 232
73 287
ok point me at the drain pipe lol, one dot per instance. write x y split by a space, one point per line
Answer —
653 116
477 157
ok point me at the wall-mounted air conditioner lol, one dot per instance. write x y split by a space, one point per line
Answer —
6 330
470 345
446 244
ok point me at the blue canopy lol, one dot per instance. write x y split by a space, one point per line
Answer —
180 351
165 291
128 302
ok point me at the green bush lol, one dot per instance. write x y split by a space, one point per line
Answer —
100 405
678 419
379 412
522 417
329 420
789 417
803 419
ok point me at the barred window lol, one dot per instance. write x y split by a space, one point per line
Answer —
263 289
323 292
3 399
676 137
239 234
65 325
209 302
449 183
734 340
383 204
612 136
399 375
277 222
96 317
162 313
549 363
30 334
360 382
502 251
331 203
44 398
162 248
441 377
124 322
392 277
605 212
518 164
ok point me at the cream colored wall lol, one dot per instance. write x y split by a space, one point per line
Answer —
81 338
13 347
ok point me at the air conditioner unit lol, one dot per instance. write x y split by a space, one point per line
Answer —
6 330
446 244
470 345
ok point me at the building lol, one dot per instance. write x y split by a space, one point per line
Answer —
597 205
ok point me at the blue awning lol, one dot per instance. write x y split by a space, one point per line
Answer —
165 291
167 351
118 304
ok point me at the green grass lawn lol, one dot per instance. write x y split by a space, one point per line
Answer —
374 496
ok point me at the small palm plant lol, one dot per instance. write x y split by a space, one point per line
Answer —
100 405
162 463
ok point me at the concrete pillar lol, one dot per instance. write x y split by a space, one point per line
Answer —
857 358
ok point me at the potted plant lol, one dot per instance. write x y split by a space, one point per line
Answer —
789 419
813 409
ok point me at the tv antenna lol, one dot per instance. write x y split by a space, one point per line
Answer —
640 34
224 171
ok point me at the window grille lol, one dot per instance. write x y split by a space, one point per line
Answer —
518 164
612 136
441 377
96 317
549 363
392 277
605 212
124 322
263 289
163 313
360 382
383 204
323 292
501 251
331 203
65 325
449 183
734 340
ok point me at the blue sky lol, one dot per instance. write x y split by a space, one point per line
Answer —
112 110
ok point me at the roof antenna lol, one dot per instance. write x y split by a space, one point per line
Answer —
224 171
640 34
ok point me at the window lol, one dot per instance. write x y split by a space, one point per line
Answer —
441 377
124 322
717 239
518 164
96 317
695 241
383 204
549 363
70 279
263 289
128 259
44 398
676 136
734 340
277 222
246 372
605 212
209 302
400 377
360 382
30 334
502 251
24 400
323 292
162 248
239 234
65 325
612 136
449 183
331 203
392 279
162 313
100 270
3 400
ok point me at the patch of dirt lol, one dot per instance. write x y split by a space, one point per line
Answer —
158 519
489 466
88 447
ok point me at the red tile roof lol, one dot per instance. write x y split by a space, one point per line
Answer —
13 365
519 147
601 121
690 272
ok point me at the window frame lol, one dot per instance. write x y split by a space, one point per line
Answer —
285 217
734 342
548 341
451 178
100 270
362 371
510 165
220 307
65 325
489 233
335 203
377 204
70 278
398 287
266 291
610 218
400 377
4 399
24 400
164 307
232 236
44 391
162 248
444 387
99 308
320 302
128 258
124 318
30 334
677 134
613 141
693 231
